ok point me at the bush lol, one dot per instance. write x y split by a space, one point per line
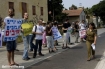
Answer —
19 39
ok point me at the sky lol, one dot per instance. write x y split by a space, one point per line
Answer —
85 3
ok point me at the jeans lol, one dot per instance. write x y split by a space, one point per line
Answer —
26 41
69 41
77 36
50 42
32 46
38 43
65 39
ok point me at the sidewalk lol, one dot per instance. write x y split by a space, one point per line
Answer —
101 63
18 55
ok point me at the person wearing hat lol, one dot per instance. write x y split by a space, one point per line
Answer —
44 34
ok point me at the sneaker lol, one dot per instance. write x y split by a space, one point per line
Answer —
29 58
49 51
40 54
68 47
31 50
34 56
53 51
26 59
63 47
16 50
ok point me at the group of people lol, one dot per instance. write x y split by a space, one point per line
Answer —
43 34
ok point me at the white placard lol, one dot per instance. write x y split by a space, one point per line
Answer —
12 29
56 33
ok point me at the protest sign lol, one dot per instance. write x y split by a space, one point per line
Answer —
12 29
27 28
56 33
82 33
0 38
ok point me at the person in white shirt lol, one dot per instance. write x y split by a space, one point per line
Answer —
82 27
38 38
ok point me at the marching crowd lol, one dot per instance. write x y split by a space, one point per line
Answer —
43 34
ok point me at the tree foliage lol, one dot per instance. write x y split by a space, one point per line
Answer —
56 7
88 11
99 10
73 7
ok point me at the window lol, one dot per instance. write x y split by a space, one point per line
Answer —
34 10
11 4
24 8
41 10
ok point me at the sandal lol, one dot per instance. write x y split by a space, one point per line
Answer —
15 64
88 59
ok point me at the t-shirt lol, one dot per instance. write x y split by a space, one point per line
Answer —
82 26
65 26
25 21
44 28
5 22
8 17
69 30
48 29
38 30
77 28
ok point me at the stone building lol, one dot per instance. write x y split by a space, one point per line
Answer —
75 15
33 7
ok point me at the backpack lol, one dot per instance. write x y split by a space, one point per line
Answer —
34 35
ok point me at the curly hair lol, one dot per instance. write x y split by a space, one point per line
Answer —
93 25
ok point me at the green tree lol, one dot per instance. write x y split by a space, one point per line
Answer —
56 7
73 7
99 10
88 11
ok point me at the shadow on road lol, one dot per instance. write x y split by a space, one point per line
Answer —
77 47
37 64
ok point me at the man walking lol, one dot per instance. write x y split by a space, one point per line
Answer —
38 31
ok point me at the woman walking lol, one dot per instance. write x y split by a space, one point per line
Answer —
82 27
49 37
44 42
91 34
76 31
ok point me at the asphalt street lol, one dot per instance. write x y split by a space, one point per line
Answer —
75 58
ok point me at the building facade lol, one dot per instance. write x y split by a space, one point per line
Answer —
75 15
35 8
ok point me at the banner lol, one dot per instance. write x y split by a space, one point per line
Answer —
82 33
12 29
0 38
27 28
56 33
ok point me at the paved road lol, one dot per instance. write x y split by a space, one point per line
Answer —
74 58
